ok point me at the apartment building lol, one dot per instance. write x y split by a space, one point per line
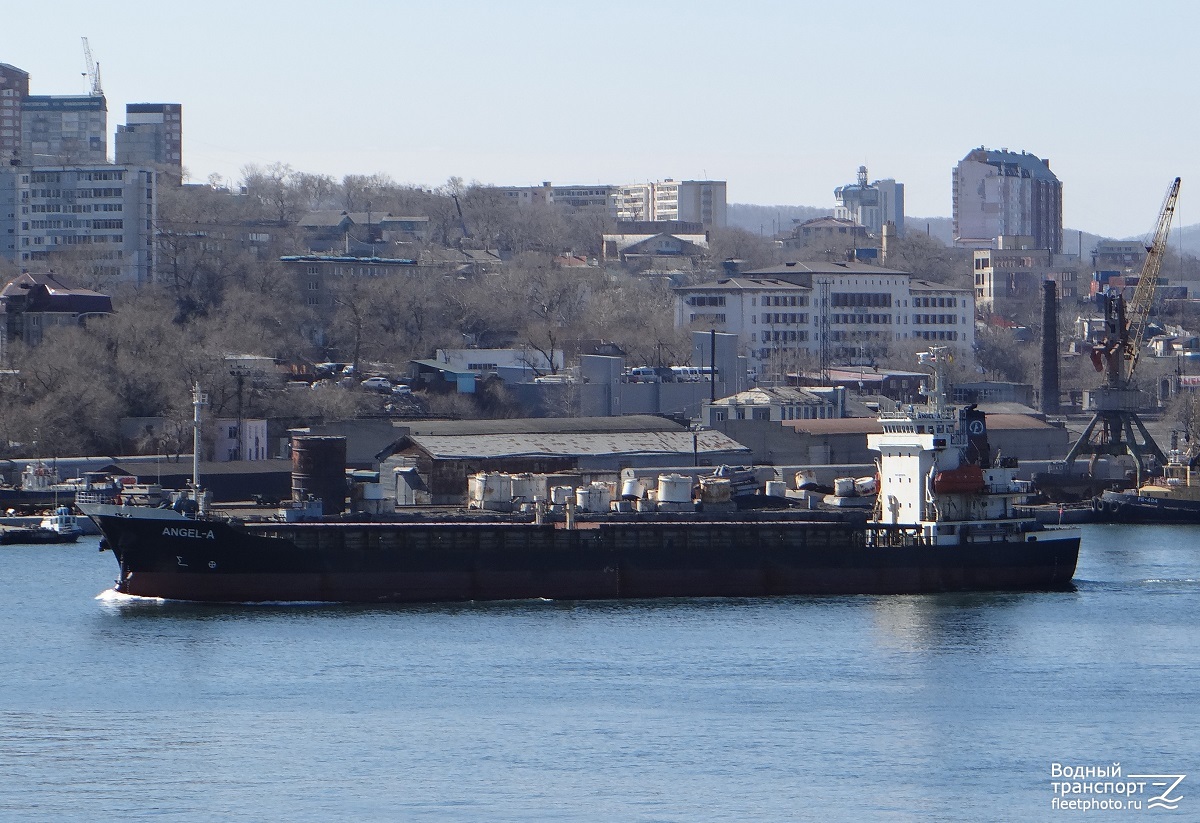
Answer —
39 129
688 201
64 129
103 214
1013 274
14 88
1006 193
152 136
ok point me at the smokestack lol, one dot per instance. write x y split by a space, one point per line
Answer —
1050 389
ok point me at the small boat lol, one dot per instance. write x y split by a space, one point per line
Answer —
34 535
63 522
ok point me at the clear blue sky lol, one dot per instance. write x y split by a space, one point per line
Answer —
784 100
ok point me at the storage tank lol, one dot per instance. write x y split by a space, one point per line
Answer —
489 490
475 484
715 490
674 488
603 494
632 489
593 498
528 487
561 495
319 470
866 486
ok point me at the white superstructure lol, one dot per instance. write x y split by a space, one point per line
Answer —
937 474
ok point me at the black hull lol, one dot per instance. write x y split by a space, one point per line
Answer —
1129 507
463 561
34 536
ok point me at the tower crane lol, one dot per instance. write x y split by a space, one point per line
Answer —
1111 430
93 70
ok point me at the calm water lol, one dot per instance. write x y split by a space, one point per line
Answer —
845 708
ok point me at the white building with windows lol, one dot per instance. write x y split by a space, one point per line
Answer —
776 404
103 214
783 315
683 201
686 201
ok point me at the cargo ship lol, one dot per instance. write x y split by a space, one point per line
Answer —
943 521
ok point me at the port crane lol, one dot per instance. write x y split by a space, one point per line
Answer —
1116 403
93 71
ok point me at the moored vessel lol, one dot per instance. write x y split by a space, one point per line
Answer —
1172 497
920 538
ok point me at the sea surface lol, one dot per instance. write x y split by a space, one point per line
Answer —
922 708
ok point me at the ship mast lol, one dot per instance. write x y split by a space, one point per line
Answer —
937 357
199 399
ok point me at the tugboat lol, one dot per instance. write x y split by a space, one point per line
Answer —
63 522
944 522
60 527
1173 497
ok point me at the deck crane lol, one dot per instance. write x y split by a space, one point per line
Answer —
1111 430
93 71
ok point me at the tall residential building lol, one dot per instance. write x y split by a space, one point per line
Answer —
40 128
103 214
64 129
871 204
1005 193
152 136
678 201
14 88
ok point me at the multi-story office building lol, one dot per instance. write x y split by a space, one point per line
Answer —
102 213
871 204
782 314
152 136
1005 193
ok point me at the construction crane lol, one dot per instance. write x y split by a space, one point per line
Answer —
93 71
462 220
1116 403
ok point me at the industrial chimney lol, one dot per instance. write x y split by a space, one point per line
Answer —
1050 389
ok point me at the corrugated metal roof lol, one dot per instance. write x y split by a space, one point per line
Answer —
555 425
445 447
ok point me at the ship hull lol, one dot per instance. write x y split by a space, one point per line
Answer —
217 561
1130 507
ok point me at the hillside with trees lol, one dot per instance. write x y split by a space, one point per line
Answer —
221 289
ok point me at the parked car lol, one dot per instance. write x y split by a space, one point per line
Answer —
400 388
377 384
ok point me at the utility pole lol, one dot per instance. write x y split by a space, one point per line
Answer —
239 374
